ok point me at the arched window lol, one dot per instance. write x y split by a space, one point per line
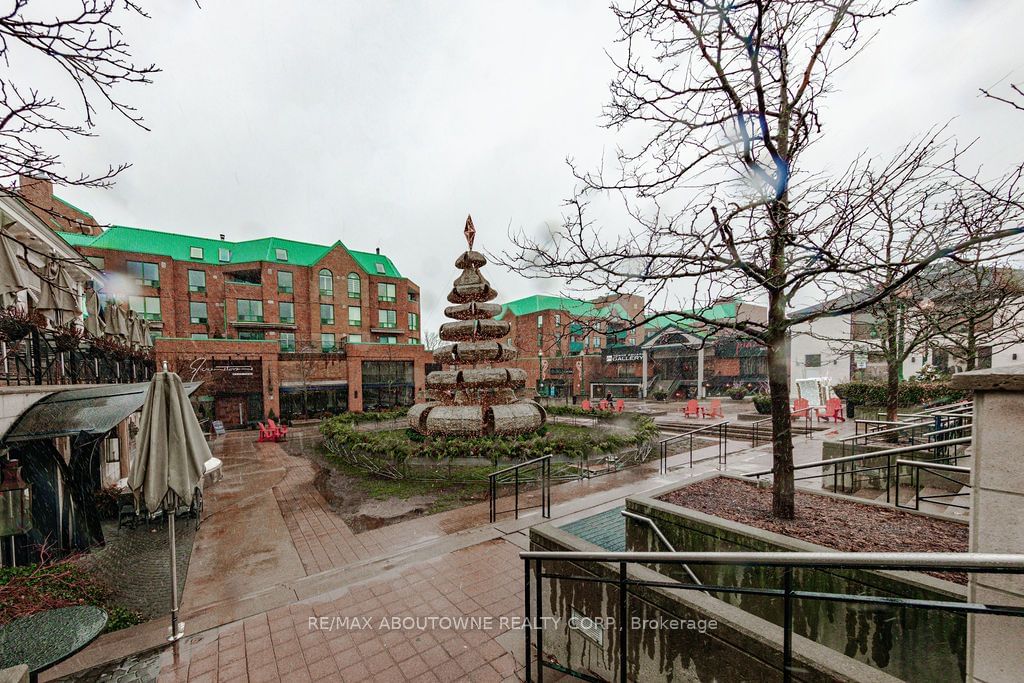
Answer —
355 286
326 283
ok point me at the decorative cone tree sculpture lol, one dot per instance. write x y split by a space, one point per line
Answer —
475 400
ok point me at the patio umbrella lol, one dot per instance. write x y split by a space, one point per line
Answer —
12 275
93 322
57 299
147 340
116 321
168 467
134 329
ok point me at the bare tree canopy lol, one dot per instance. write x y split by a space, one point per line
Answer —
83 42
726 98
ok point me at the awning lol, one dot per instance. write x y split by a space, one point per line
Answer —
321 385
92 410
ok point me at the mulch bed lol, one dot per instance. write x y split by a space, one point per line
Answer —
842 525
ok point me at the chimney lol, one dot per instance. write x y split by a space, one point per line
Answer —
378 251
222 237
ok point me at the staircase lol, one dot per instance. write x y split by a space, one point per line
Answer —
736 431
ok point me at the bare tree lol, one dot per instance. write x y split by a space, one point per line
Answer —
431 341
1015 98
82 41
727 97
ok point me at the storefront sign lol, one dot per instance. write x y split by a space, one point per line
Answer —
624 357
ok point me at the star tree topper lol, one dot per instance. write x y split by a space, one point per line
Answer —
469 231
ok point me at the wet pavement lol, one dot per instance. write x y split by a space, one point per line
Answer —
271 555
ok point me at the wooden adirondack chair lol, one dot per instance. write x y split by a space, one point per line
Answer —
586 405
266 434
833 410
603 405
620 405
280 431
715 410
801 408
692 408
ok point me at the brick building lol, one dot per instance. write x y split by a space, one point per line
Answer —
267 324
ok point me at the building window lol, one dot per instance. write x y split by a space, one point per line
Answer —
281 254
812 360
286 312
197 312
223 255
380 268
285 282
414 340
540 321
558 319
195 252
387 339
327 342
355 286
97 262
414 321
387 318
147 307
326 283
355 339
200 335
326 314
388 384
355 316
145 273
287 341
413 296
197 281
251 335
386 291
249 310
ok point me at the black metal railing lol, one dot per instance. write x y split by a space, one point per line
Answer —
935 469
837 470
755 430
539 468
38 360
537 660
719 430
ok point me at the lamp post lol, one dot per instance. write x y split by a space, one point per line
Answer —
15 503
540 371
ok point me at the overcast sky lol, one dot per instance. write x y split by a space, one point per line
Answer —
384 123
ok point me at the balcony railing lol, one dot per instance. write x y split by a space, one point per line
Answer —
613 569
37 360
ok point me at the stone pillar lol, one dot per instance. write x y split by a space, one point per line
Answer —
997 512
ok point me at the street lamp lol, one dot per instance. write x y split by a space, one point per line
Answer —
540 371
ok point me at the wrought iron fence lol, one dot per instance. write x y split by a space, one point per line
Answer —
38 360
539 469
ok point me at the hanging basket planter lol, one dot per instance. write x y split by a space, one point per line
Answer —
67 337
16 323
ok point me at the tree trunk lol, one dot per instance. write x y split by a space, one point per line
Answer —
893 366
972 347
783 505
892 391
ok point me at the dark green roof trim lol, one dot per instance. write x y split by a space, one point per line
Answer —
574 307
179 246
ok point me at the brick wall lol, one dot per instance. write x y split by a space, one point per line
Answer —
38 194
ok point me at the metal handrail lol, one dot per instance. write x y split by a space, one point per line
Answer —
533 583
934 465
544 462
917 466
874 454
959 428
723 436
661 537
1011 563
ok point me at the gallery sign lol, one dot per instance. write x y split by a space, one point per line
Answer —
623 357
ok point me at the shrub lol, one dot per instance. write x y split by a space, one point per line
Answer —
737 393
660 395
763 404
579 412
910 393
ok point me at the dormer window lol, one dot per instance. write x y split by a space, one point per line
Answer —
195 252
223 255
380 268
281 254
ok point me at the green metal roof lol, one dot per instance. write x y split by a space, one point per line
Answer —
179 247
574 307
722 311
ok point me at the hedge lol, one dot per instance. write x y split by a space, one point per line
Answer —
910 393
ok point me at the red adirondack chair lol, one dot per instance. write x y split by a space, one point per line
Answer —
801 408
586 405
280 430
692 408
603 405
833 410
266 434
620 405
715 410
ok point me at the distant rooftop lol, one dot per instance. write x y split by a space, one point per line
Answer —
180 248
574 307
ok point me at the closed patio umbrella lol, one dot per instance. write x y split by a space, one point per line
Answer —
57 300
147 340
116 321
12 275
93 322
134 329
168 467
